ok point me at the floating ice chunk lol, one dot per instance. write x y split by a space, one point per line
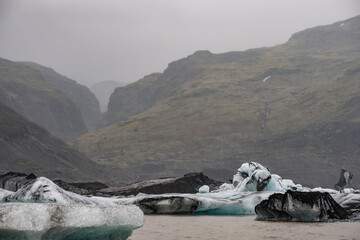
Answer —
341 25
323 190
244 205
4 193
166 204
267 78
225 187
256 181
247 169
44 190
348 190
300 206
204 189
274 183
237 178
219 203
349 201
53 221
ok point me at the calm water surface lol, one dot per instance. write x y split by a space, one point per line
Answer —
178 227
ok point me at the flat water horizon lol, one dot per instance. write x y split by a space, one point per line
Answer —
205 227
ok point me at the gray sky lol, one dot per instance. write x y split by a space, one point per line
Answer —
123 40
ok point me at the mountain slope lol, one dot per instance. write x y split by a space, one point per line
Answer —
293 107
25 90
103 90
84 99
27 147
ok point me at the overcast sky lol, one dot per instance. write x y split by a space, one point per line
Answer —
123 40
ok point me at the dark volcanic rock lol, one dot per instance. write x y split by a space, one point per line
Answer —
344 180
68 187
90 186
189 183
12 181
300 206
167 205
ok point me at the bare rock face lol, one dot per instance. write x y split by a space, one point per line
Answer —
189 183
344 180
300 207
12 181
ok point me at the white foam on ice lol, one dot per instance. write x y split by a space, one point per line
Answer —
42 217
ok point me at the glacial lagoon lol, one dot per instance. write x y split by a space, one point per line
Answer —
176 227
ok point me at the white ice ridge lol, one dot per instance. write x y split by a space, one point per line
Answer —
267 78
44 190
4 193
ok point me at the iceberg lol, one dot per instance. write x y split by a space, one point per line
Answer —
300 206
42 210
204 189
46 191
252 184
214 203
52 221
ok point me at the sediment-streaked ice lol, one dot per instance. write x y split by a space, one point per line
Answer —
214 203
43 210
4 193
44 190
252 184
77 221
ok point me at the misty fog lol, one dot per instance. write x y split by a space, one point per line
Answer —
93 40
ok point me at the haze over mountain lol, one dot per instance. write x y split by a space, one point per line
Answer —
93 40
103 91
84 99
27 147
25 90
293 107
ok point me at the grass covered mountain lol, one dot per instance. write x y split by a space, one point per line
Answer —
294 107
27 147
25 90
103 91
83 98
